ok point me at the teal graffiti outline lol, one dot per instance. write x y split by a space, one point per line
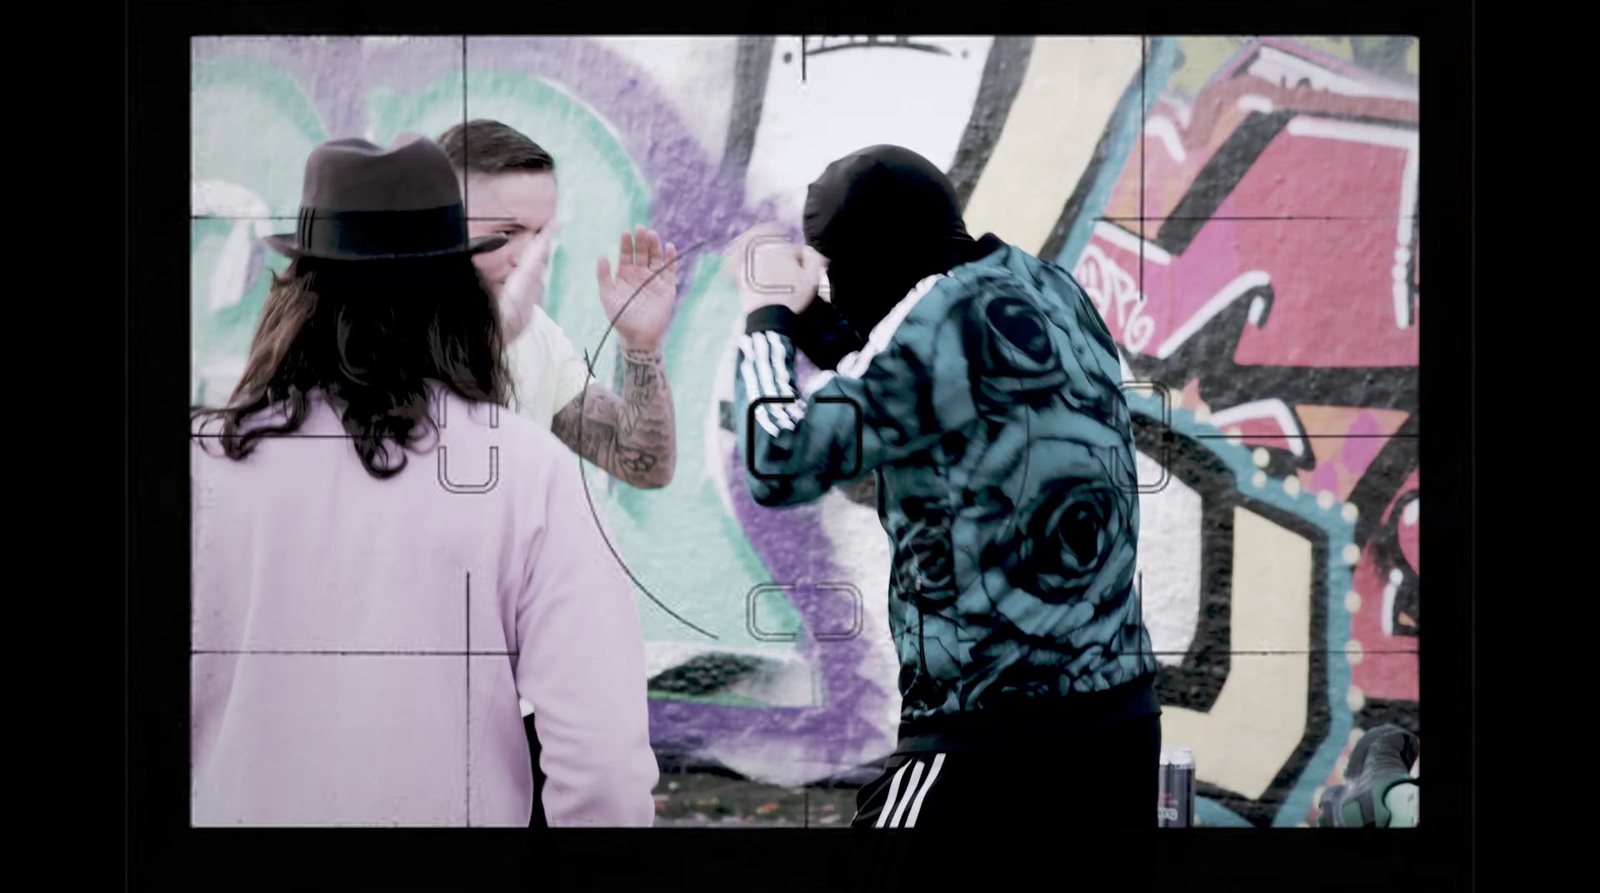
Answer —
273 84
1125 126
218 334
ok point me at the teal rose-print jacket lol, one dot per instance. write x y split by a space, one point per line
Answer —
989 405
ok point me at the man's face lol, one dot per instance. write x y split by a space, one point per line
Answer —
518 204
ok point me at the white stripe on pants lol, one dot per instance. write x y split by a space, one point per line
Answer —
897 808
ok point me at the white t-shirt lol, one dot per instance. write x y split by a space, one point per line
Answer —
549 371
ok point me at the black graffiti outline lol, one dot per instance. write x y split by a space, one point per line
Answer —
1207 356
1072 209
753 64
1003 71
1196 683
1198 680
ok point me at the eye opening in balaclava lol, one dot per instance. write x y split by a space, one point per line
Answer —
886 218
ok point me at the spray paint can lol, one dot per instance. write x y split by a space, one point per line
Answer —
1176 807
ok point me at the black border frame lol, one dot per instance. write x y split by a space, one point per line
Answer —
163 853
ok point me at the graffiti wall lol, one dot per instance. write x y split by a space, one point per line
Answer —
1243 213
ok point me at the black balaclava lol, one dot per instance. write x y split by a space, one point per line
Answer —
886 218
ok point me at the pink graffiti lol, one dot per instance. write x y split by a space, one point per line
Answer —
1323 216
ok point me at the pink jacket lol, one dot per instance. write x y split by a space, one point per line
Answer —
334 615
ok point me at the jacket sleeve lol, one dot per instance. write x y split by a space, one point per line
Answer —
818 331
884 403
580 665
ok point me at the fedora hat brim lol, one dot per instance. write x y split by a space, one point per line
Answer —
289 246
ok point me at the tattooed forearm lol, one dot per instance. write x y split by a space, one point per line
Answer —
632 437
643 370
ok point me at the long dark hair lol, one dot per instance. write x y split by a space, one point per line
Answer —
370 335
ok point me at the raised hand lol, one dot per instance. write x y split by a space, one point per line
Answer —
638 299
524 288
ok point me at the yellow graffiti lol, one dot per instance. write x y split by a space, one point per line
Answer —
1072 87
1264 702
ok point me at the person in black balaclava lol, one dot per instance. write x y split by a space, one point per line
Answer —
980 388
884 217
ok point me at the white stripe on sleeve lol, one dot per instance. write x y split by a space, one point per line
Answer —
748 372
769 386
780 369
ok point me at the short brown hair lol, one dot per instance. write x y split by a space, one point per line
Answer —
489 147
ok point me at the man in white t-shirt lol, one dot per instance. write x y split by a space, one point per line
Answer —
510 188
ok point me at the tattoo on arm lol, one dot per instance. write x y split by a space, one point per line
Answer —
631 437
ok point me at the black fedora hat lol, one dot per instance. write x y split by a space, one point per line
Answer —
363 202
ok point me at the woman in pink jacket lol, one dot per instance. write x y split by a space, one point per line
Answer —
385 561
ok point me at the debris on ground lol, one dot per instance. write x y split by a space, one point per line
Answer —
703 798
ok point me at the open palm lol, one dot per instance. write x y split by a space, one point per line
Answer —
638 299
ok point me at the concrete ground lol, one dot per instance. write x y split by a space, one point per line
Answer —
699 799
